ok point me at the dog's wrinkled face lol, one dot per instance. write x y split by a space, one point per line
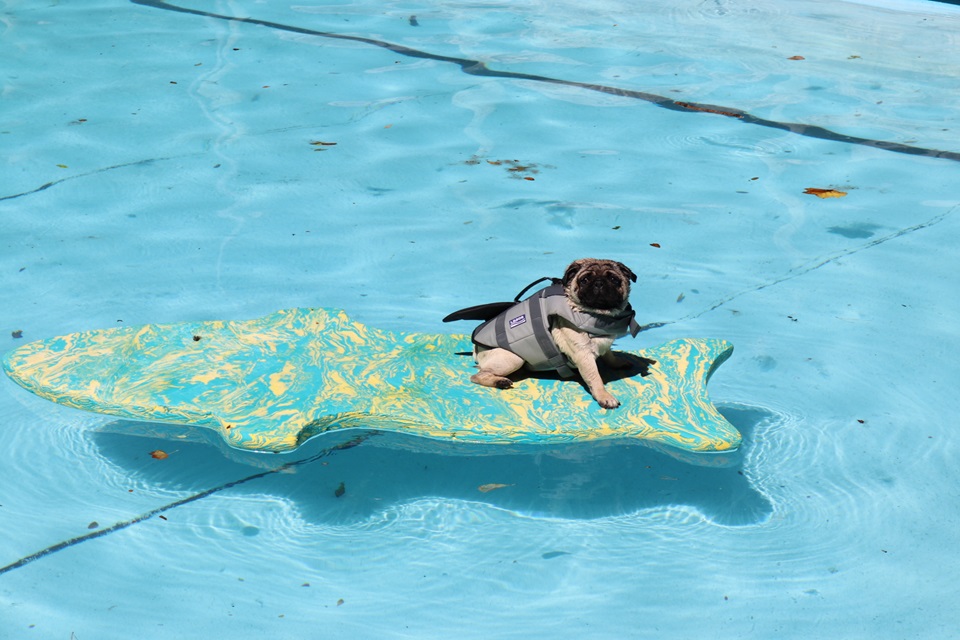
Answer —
603 285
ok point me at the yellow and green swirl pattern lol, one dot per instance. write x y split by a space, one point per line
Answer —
271 383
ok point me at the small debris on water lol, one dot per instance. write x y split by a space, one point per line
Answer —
93 525
16 334
485 488
825 193
158 454
342 489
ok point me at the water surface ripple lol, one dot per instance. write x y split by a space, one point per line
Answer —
478 68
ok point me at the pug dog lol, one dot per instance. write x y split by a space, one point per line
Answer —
582 320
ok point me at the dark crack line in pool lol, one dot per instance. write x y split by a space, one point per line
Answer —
53 183
478 68
805 269
60 546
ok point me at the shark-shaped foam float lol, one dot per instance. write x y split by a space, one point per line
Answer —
271 383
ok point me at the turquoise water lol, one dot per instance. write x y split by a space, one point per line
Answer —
160 165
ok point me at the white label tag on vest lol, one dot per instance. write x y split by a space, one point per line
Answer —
519 320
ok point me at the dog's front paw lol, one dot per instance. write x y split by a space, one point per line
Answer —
607 401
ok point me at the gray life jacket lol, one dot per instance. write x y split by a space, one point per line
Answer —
524 329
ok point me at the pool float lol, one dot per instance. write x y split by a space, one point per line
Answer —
271 383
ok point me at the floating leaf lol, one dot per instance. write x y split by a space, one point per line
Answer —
656 245
157 454
323 144
339 602
93 525
796 58
340 490
16 334
825 193
484 488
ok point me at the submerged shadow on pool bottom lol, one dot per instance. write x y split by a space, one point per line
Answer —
579 481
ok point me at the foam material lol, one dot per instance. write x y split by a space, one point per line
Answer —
270 384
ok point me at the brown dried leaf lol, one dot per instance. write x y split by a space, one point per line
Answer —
159 455
825 193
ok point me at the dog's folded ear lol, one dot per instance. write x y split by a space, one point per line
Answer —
571 272
627 272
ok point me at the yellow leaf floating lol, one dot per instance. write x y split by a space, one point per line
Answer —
825 193
484 488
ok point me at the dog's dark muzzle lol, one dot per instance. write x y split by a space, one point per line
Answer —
600 292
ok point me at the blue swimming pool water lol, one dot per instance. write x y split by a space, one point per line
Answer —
160 165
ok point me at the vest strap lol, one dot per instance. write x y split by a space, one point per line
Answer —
545 341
